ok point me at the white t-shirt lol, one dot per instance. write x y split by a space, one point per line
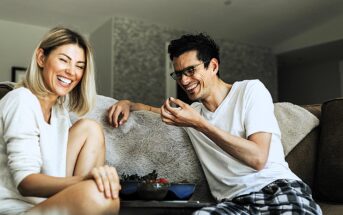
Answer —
247 109
29 145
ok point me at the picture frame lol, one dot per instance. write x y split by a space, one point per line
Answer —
18 73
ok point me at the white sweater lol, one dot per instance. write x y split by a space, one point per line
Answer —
29 145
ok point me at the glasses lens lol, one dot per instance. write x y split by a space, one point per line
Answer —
174 75
189 71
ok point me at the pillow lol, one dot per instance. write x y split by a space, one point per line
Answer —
329 177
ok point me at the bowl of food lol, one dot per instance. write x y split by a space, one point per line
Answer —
180 191
129 189
147 187
153 190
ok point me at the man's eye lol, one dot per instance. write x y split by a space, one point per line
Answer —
190 70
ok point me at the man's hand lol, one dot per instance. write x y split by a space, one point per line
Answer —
107 180
119 113
183 115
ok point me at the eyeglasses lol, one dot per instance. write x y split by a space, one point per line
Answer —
188 71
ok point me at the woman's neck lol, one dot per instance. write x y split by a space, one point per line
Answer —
46 104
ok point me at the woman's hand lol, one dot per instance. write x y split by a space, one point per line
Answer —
119 113
107 180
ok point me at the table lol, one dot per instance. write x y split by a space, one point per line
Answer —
141 207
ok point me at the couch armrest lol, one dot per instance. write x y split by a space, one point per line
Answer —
329 177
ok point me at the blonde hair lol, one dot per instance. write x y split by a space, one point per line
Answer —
81 99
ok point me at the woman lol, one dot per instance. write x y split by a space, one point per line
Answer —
41 153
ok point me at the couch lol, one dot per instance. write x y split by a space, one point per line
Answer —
144 143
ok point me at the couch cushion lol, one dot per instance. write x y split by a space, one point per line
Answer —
331 209
5 87
328 184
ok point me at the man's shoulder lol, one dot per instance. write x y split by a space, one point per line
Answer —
249 83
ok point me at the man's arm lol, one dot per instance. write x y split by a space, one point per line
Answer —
252 151
120 111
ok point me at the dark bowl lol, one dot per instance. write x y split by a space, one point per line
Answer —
180 191
129 190
153 191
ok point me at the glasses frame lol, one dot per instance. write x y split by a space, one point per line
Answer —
188 71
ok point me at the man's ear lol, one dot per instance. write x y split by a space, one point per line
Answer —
40 57
214 65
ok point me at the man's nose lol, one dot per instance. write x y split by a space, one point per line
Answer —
184 79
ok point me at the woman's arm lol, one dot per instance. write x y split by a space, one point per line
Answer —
41 185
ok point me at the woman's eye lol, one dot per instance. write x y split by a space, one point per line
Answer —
81 67
63 60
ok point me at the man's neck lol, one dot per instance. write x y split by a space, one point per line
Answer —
218 93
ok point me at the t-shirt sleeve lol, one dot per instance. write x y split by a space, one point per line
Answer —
259 110
21 134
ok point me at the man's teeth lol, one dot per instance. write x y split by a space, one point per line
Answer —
64 80
191 87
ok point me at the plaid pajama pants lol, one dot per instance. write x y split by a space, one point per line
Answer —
279 197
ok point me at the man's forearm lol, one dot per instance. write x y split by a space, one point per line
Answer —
141 106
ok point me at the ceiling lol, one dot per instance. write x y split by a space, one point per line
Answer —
262 22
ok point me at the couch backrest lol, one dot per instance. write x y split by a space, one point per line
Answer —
5 87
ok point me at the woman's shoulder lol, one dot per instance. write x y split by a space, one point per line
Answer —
20 92
19 97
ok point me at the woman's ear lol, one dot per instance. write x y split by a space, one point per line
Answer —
40 57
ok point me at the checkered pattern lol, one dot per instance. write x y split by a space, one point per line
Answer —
288 197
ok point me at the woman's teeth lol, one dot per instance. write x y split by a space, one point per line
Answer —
64 80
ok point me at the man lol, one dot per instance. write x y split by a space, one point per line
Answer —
234 132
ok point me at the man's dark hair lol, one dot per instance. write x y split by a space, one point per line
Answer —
204 45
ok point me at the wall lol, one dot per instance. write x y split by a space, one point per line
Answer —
17 42
101 41
330 30
138 63
139 60
312 74
310 83
243 61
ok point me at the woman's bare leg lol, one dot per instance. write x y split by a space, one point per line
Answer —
86 147
82 198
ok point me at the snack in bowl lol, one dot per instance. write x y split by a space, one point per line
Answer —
147 187
153 190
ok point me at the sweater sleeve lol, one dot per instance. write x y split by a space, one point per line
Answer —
21 134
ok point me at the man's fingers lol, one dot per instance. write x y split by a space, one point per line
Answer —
110 114
125 116
177 102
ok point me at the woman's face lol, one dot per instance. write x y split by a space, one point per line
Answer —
63 68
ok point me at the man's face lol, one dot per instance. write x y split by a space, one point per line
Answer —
196 86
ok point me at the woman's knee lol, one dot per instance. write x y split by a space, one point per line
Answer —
96 200
89 127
